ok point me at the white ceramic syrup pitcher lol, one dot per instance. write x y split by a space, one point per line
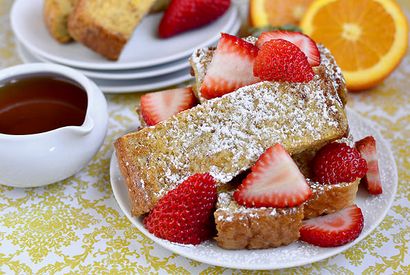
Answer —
39 159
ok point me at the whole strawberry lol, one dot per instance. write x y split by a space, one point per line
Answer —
184 15
302 41
338 162
184 215
281 60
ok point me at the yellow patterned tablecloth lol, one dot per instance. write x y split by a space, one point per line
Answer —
76 226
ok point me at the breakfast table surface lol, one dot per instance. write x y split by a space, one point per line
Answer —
75 226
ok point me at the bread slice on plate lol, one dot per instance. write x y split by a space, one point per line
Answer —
225 136
239 227
56 13
106 26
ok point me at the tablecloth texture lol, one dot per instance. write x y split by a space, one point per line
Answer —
76 226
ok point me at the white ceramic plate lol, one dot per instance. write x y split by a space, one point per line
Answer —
143 85
299 253
123 86
143 50
154 71
131 73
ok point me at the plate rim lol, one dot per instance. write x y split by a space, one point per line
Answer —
144 87
121 89
182 63
233 10
127 76
333 252
147 72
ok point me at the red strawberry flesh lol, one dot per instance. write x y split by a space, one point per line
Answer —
367 148
159 106
334 229
280 60
184 215
337 162
231 67
302 41
185 15
274 181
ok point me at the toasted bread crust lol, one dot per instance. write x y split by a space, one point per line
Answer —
239 227
330 198
140 199
56 13
257 228
85 27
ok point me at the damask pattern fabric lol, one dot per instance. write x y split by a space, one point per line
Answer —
76 226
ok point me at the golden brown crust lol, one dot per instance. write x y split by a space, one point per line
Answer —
55 14
83 29
330 198
92 25
139 197
257 229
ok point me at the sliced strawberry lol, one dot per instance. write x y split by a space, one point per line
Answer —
231 67
184 15
367 148
304 43
280 60
159 106
334 229
274 181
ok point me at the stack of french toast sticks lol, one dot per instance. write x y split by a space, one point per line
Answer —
229 136
103 26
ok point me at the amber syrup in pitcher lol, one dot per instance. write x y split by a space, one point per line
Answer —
40 103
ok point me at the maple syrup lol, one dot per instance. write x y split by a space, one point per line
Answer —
39 103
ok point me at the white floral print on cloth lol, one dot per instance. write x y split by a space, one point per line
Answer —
75 226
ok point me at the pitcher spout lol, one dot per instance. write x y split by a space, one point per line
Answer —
86 127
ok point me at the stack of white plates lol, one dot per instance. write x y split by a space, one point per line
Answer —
146 63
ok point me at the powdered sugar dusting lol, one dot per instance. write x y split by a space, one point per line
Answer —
238 127
227 209
201 58
374 209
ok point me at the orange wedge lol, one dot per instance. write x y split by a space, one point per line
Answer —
367 37
276 12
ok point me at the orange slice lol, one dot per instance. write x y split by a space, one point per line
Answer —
276 12
367 37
